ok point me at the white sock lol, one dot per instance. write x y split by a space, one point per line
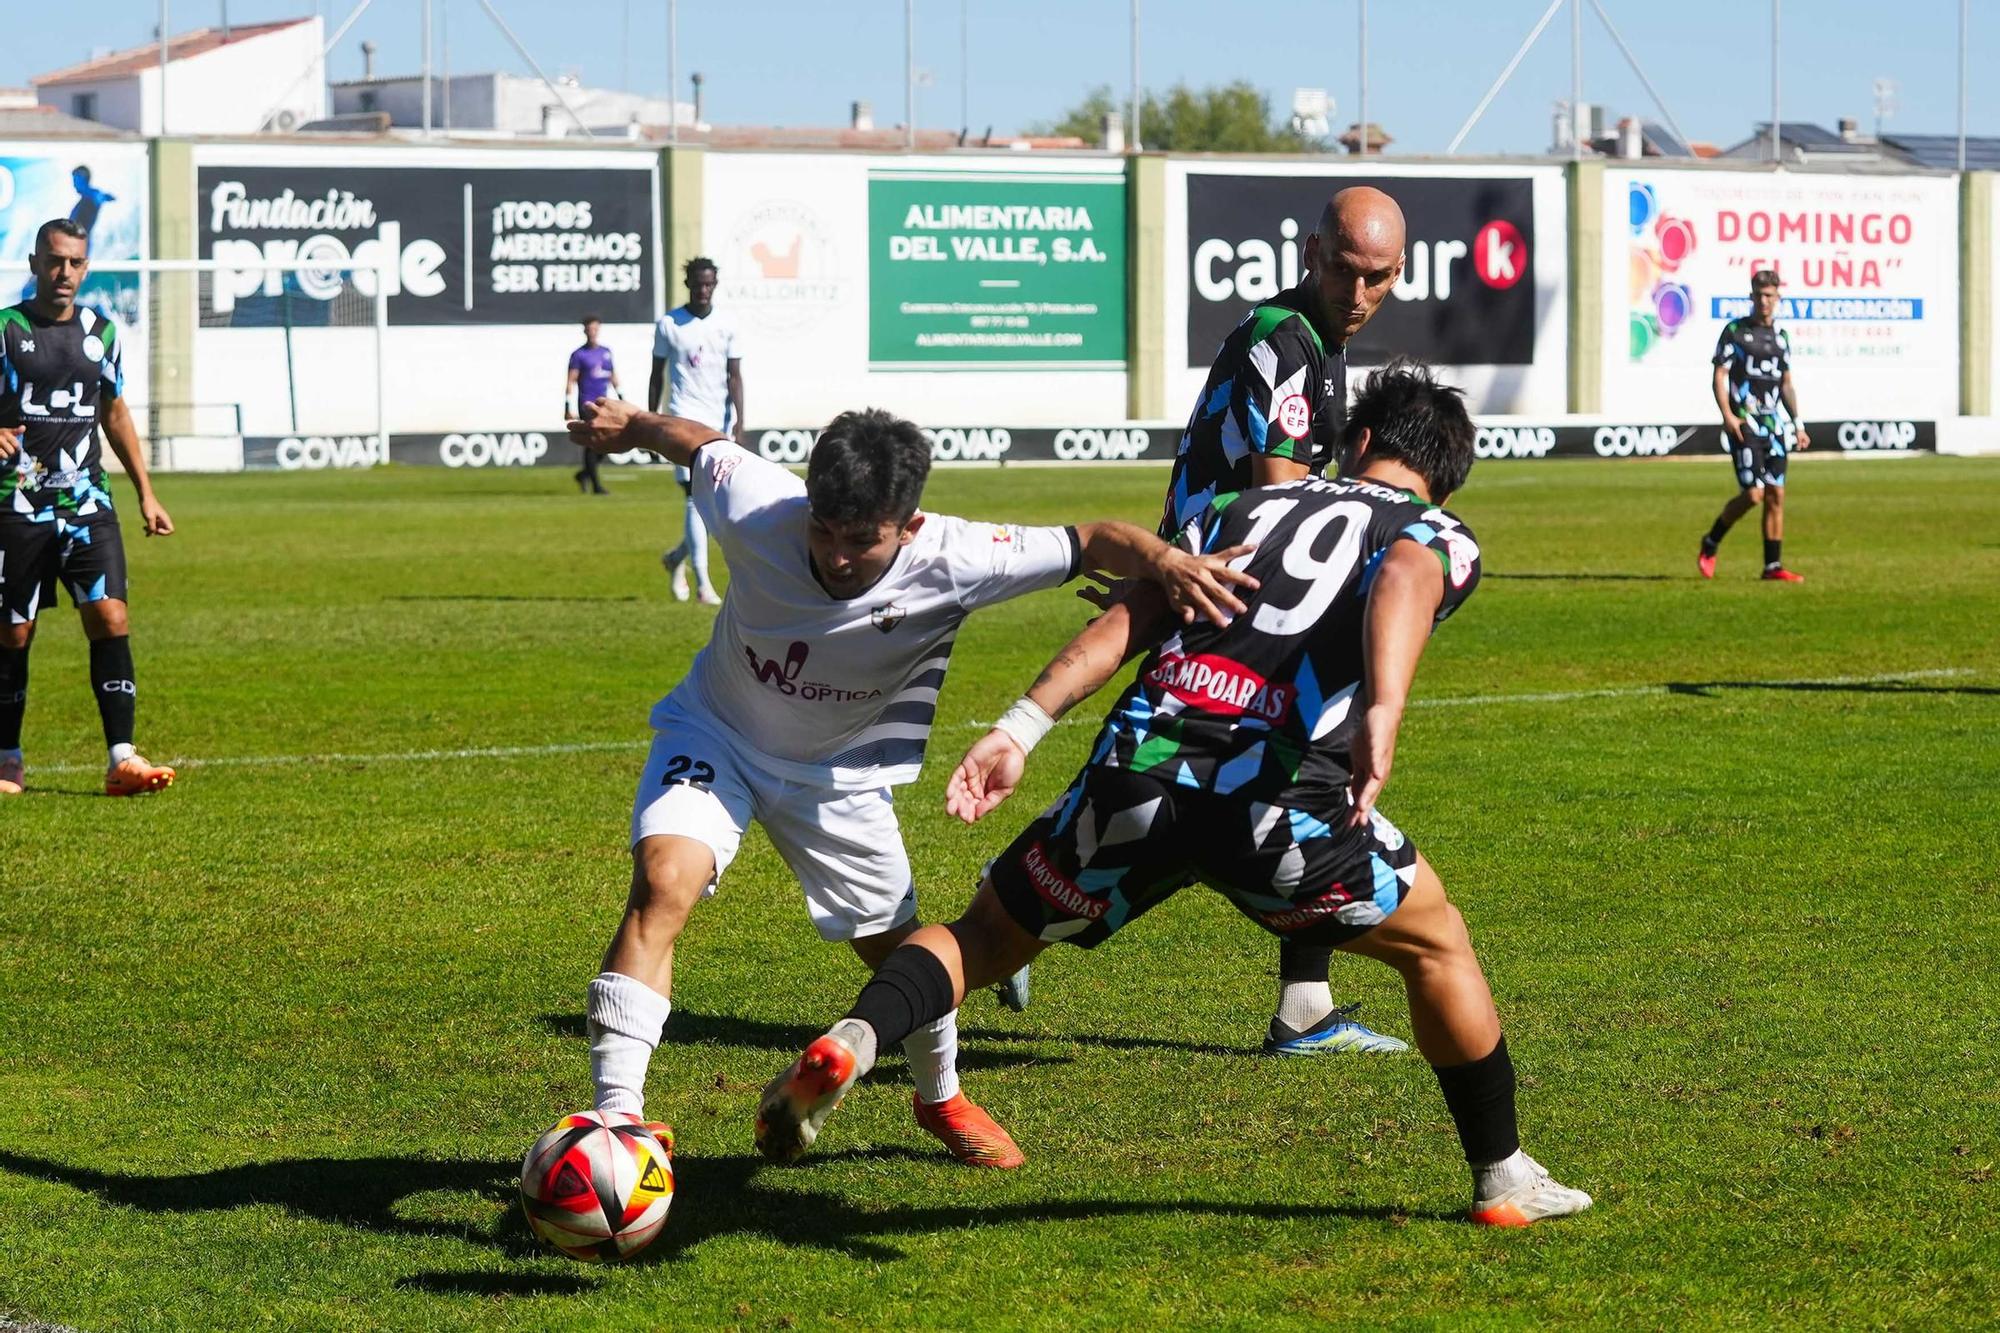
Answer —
1496 1178
625 1018
933 1055
697 547
121 752
859 1038
1301 1004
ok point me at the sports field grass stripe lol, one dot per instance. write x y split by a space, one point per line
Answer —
600 747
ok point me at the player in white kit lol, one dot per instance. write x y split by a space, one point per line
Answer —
813 700
696 344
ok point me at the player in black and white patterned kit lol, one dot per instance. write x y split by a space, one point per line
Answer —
1760 424
60 380
1249 756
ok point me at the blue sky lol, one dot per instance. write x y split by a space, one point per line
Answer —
802 61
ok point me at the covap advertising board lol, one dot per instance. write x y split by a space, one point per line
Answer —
1869 266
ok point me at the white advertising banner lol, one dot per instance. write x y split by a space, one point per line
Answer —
1485 286
1870 272
791 237
495 256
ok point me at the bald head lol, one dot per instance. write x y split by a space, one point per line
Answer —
1354 257
1362 217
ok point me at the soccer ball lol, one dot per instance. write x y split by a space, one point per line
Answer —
597 1186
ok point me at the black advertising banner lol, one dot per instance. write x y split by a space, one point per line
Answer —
463 245
1467 294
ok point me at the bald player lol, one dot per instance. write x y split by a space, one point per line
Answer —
1272 412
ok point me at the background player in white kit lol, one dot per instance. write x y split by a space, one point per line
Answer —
697 345
814 698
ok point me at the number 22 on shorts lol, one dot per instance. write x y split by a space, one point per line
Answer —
685 769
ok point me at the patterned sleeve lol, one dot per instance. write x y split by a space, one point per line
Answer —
111 366
1784 352
1725 346
1271 408
991 563
1456 550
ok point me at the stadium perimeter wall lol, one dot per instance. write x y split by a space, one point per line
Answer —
1026 307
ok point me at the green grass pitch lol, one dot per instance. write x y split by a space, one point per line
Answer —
272 1043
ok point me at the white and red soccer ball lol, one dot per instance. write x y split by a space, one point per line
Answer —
598 1185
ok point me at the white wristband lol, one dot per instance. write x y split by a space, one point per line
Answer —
1026 723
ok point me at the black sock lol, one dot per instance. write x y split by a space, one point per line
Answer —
1772 559
111 682
910 989
13 695
1715 536
1481 1098
1303 962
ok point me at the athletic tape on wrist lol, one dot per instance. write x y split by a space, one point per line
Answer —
1026 723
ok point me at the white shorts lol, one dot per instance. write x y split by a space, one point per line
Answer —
845 846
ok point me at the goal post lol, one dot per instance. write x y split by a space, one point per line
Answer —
231 363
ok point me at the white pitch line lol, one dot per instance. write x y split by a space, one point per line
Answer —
402 757
638 742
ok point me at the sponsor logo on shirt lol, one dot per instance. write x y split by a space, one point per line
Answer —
1220 685
784 676
1058 889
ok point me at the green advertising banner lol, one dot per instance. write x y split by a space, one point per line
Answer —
1002 269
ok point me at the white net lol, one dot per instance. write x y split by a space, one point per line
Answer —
233 364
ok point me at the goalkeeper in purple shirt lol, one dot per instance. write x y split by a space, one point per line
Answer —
591 377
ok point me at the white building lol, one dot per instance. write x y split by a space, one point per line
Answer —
252 77
503 104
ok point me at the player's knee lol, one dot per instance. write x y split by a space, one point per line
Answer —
1774 497
104 620
666 884
1754 494
989 939
17 636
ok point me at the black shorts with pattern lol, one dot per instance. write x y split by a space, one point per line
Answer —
1118 843
88 558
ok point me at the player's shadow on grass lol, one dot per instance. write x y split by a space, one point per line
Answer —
737 1195
744 1196
1588 578
361 1191
1708 689
790 1038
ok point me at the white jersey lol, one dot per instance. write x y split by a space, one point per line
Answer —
697 352
833 693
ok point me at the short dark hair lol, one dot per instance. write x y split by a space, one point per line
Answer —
80 170
867 467
59 227
589 320
697 264
1765 277
1410 416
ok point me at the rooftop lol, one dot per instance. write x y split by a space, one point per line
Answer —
136 58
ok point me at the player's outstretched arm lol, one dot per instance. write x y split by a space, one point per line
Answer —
123 437
612 426
1194 584
1402 607
992 768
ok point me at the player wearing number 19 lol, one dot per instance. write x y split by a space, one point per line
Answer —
60 379
1249 756
814 699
